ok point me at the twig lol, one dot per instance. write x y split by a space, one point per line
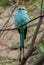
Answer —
24 24
5 25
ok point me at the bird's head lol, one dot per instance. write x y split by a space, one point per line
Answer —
21 8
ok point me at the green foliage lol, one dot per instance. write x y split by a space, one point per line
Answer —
23 3
35 3
40 48
4 3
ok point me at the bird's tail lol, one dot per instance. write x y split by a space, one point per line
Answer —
25 32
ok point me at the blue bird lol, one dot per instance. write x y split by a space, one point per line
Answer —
21 17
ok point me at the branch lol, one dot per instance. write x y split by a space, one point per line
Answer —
40 40
37 43
5 25
32 25
40 60
41 16
30 50
33 35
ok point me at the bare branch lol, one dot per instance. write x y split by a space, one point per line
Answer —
40 60
5 25
30 50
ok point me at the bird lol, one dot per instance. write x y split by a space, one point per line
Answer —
21 18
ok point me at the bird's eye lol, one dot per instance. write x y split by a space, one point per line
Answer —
23 9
